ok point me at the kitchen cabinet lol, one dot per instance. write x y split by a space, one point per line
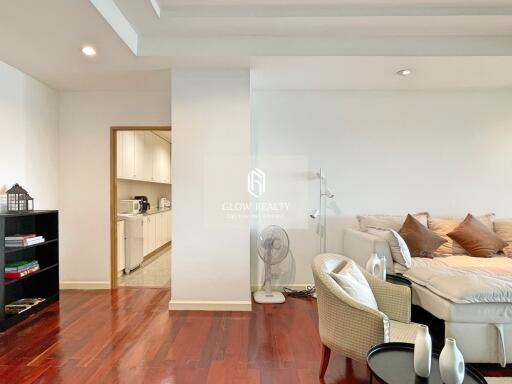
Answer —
159 239
149 143
143 156
156 231
125 154
149 234
128 154
120 247
139 150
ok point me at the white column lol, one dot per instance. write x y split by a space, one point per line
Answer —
210 263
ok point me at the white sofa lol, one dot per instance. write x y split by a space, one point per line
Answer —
483 330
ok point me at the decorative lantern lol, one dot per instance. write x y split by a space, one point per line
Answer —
18 199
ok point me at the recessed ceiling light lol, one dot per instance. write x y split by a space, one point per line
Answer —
404 72
87 50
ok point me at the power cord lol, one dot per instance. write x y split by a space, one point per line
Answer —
308 292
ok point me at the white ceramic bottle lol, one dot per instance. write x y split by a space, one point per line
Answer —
373 265
382 263
422 352
451 363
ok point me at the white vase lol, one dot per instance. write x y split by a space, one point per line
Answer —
373 266
382 262
422 352
451 363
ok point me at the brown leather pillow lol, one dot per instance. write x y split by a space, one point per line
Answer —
476 238
422 242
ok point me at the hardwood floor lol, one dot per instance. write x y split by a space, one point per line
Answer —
129 336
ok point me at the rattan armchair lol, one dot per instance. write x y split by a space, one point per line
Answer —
350 328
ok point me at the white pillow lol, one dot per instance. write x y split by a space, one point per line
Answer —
353 282
399 249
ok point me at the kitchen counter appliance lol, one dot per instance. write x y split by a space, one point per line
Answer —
144 204
164 203
130 207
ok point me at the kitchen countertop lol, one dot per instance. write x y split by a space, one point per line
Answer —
121 217
154 211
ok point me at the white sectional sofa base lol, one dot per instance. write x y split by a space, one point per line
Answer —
483 330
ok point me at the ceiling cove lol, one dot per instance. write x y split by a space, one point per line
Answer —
308 27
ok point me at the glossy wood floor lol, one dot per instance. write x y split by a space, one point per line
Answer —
129 336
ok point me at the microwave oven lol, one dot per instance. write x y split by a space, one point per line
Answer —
129 207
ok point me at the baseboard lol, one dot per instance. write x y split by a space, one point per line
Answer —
84 285
156 251
280 287
193 305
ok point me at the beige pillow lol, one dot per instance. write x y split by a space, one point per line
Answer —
476 238
388 221
399 250
503 228
442 226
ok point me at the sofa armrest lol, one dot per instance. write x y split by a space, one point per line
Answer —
392 299
359 246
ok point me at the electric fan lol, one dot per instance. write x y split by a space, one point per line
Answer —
273 246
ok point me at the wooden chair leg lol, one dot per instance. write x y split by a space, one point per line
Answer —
326 354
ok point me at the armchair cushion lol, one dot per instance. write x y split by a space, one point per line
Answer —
352 281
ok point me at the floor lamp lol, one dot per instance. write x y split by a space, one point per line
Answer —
320 214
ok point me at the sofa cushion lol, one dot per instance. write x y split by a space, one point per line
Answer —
399 250
422 242
352 281
388 221
442 226
476 238
503 228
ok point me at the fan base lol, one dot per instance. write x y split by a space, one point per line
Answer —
274 297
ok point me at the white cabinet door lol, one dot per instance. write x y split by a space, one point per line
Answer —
152 233
120 246
138 155
128 154
159 229
145 236
120 154
166 162
167 227
149 147
157 161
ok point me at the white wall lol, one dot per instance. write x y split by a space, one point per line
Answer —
85 121
28 137
210 161
447 152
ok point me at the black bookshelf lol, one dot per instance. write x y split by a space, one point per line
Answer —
43 283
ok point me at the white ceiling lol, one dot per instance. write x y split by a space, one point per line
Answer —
356 44
44 38
309 27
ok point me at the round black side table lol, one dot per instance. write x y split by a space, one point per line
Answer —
398 279
393 363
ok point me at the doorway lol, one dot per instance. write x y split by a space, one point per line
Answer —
140 206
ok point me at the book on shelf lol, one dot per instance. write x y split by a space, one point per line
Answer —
22 305
24 242
17 275
19 266
19 237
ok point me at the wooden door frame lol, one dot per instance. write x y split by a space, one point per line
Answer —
113 192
